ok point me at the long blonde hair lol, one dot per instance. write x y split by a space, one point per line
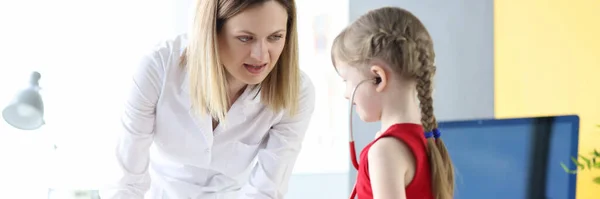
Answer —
396 36
208 82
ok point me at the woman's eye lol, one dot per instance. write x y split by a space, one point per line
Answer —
245 38
275 37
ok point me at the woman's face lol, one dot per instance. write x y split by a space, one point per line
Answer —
251 42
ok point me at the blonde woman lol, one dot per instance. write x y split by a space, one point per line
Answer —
220 112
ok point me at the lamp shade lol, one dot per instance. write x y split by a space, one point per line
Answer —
26 110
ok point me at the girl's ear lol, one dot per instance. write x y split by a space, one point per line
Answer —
380 73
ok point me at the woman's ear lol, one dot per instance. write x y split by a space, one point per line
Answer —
380 73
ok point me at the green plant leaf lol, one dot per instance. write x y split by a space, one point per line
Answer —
597 180
567 169
588 162
579 165
596 154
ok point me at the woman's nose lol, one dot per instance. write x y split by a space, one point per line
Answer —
260 51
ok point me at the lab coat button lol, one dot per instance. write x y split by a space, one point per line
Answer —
207 150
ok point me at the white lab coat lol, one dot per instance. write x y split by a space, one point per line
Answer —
163 140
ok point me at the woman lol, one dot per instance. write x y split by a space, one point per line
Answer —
220 113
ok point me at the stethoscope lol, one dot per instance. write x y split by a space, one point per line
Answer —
377 80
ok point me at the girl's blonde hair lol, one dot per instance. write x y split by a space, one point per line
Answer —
208 82
396 36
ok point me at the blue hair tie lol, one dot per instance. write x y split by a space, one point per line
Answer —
435 134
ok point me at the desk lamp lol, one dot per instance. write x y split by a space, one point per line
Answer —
26 110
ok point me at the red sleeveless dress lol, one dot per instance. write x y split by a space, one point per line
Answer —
413 136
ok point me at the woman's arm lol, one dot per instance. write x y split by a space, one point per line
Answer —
270 176
137 131
389 160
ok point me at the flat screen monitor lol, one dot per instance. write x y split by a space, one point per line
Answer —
513 158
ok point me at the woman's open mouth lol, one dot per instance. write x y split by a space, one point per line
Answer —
255 69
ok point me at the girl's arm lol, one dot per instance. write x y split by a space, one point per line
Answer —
389 161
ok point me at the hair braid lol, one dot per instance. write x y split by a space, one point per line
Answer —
425 90
442 170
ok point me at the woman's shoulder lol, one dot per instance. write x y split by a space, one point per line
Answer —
163 57
158 64
167 52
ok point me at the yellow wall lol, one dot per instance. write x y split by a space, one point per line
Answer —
547 62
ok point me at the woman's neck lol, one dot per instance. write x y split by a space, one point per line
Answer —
235 88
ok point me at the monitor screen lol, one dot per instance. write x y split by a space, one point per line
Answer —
507 158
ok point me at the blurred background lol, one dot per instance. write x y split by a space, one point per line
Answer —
496 60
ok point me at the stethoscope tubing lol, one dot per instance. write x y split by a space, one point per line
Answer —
351 135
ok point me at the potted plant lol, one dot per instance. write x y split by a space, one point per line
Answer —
588 162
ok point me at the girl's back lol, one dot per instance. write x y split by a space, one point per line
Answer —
410 135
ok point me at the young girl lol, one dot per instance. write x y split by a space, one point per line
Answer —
392 50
